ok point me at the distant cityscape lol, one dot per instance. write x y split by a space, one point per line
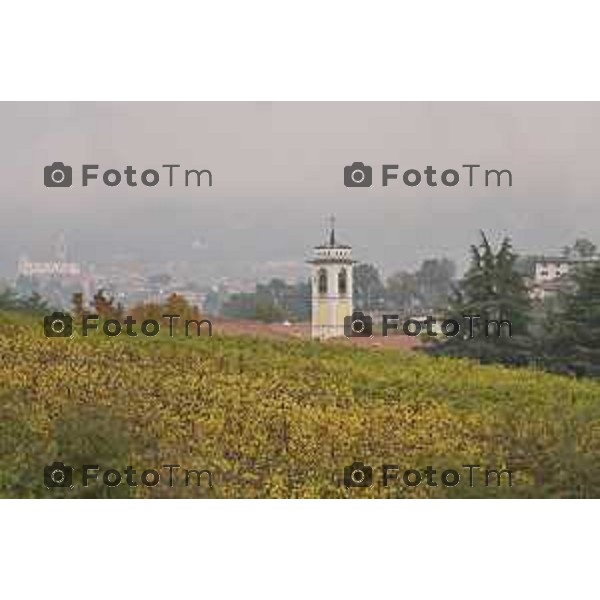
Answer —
128 281
132 282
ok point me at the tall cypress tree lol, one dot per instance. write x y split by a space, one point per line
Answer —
493 290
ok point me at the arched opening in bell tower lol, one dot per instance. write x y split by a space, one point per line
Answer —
343 282
322 281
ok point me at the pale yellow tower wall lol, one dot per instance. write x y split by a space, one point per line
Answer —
329 309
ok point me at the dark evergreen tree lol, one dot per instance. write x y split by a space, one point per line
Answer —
572 340
492 306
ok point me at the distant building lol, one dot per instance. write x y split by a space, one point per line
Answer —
553 275
26 268
55 280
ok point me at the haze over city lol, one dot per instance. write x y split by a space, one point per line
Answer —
278 175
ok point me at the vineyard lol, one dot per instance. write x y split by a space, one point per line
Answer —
282 418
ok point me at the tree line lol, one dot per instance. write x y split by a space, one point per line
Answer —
33 303
278 301
562 336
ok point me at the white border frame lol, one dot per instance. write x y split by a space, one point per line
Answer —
315 50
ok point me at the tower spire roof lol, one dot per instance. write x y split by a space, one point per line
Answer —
331 241
332 234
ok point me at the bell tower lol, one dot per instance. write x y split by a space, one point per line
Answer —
331 282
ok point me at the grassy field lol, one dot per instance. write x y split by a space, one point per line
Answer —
274 418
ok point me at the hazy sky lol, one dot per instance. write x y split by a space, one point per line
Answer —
278 175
